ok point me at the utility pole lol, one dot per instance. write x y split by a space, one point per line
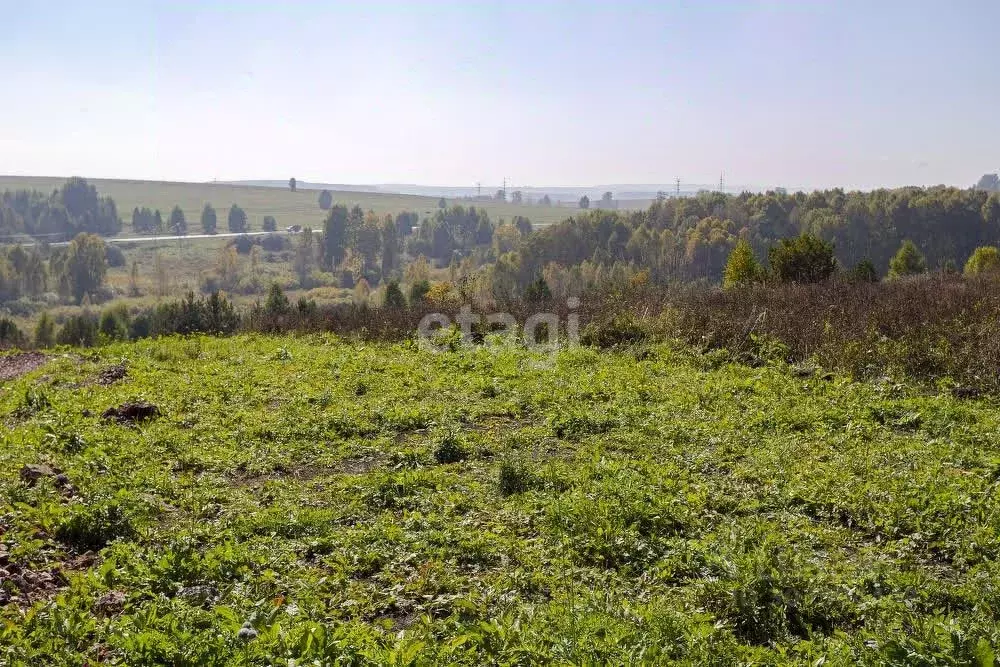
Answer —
505 188
479 189
722 182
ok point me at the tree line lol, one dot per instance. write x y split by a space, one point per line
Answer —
373 247
148 221
691 239
76 271
71 209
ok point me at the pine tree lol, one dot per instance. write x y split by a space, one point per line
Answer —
908 261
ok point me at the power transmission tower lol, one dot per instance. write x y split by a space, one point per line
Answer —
678 186
722 182
479 189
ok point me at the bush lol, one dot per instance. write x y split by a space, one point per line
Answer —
114 324
10 335
538 291
243 244
141 327
214 314
908 261
79 330
515 477
114 255
306 307
984 260
622 330
45 331
274 243
450 449
419 290
270 224
92 527
803 259
864 272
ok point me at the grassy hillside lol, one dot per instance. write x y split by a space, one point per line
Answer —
289 208
303 499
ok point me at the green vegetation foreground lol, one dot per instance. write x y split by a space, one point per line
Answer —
300 499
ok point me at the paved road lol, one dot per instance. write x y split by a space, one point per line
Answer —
149 239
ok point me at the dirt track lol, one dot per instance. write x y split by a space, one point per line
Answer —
16 365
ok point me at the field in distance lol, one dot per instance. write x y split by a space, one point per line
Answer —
288 208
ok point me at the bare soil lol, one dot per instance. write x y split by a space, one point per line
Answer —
15 365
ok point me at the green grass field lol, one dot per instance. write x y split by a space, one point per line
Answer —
289 208
303 500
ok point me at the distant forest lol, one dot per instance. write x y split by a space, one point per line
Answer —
683 239
73 209
688 239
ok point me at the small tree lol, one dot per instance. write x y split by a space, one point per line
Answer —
325 200
209 219
517 197
419 290
292 184
305 257
742 268
133 279
545 201
45 331
442 204
114 323
86 265
335 236
10 334
277 302
584 202
178 225
362 292
237 220
803 259
538 291
864 272
161 277
394 298
908 261
984 260
270 224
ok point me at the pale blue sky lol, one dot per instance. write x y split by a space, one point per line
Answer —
854 93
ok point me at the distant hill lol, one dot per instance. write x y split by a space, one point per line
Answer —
566 194
305 185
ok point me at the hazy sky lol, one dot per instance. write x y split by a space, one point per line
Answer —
854 93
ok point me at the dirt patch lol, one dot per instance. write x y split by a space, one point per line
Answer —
132 413
112 374
15 365
357 466
32 472
24 586
110 604
299 473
